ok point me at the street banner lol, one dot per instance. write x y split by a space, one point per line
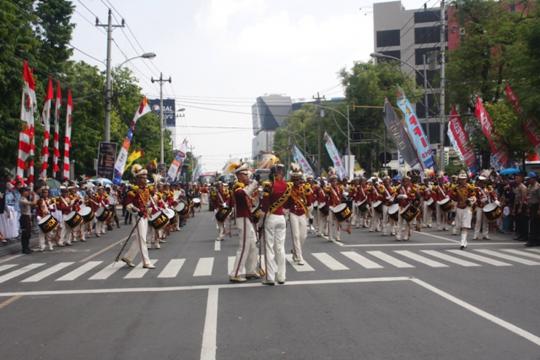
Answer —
498 152
334 155
67 135
106 157
56 137
198 170
399 134
300 159
169 111
177 162
460 141
416 133
530 128
120 164
28 109
45 121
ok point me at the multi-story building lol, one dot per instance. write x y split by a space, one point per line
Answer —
268 112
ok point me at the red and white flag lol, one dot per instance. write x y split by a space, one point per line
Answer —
26 135
56 137
497 151
67 135
45 121
460 141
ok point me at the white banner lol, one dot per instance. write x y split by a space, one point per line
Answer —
334 155
177 161
300 159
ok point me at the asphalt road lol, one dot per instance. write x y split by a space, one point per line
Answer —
369 297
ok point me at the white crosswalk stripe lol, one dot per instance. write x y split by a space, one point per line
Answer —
534 250
7 266
19 272
479 258
230 264
508 257
361 260
449 258
138 271
47 272
107 271
329 261
390 259
78 272
420 259
299 268
204 267
522 253
172 269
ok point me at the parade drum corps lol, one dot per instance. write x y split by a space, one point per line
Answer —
464 194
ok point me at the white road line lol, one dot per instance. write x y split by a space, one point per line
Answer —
138 271
9 258
18 272
508 257
47 272
436 236
172 268
361 260
535 250
209 339
406 244
449 258
102 250
390 259
502 323
204 267
299 268
329 261
479 258
230 264
83 269
107 271
522 253
7 266
420 259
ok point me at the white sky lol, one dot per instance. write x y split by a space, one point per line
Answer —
222 54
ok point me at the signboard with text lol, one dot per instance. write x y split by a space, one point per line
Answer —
169 111
106 159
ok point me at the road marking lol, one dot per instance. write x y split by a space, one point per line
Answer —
18 272
502 323
217 245
299 268
138 272
390 259
406 244
449 258
107 271
102 250
535 250
172 268
479 258
7 266
72 275
9 301
209 339
522 253
204 267
329 261
421 259
436 236
9 258
43 274
230 263
361 260
508 257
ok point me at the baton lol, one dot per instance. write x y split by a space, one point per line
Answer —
127 240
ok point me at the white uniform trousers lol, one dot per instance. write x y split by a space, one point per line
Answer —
274 238
322 223
221 230
427 213
139 244
376 219
335 227
482 223
66 234
442 218
299 234
246 255
403 228
463 223
100 227
388 224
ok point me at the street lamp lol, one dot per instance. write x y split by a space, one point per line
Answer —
108 94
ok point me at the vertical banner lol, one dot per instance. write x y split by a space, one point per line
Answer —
45 121
106 157
28 109
499 154
300 159
177 161
56 137
120 164
197 171
334 155
416 132
67 135
460 141
399 135
530 128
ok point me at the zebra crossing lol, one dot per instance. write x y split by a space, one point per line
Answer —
318 261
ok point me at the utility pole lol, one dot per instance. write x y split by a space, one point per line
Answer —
319 136
443 84
161 125
426 104
108 83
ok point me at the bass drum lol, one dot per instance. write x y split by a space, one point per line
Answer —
171 215
377 206
73 219
102 214
341 212
222 213
324 209
47 224
158 220
492 211
445 204
87 214
393 212
409 213
362 205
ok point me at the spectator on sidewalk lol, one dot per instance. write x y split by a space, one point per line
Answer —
26 202
533 200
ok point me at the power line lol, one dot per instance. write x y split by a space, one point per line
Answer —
87 8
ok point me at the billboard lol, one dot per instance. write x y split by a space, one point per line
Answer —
169 111
106 159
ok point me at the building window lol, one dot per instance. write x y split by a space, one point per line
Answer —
433 106
425 35
433 78
388 38
395 53
431 55
427 16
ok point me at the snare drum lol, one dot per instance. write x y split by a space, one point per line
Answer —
73 219
158 220
324 209
430 203
393 212
445 204
47 224
102 214
87 214
341 212
222 213
362 205
492 211
409 213
377 206
196 202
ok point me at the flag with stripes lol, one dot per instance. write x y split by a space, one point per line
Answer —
26 135
67 135
45 121
56 137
